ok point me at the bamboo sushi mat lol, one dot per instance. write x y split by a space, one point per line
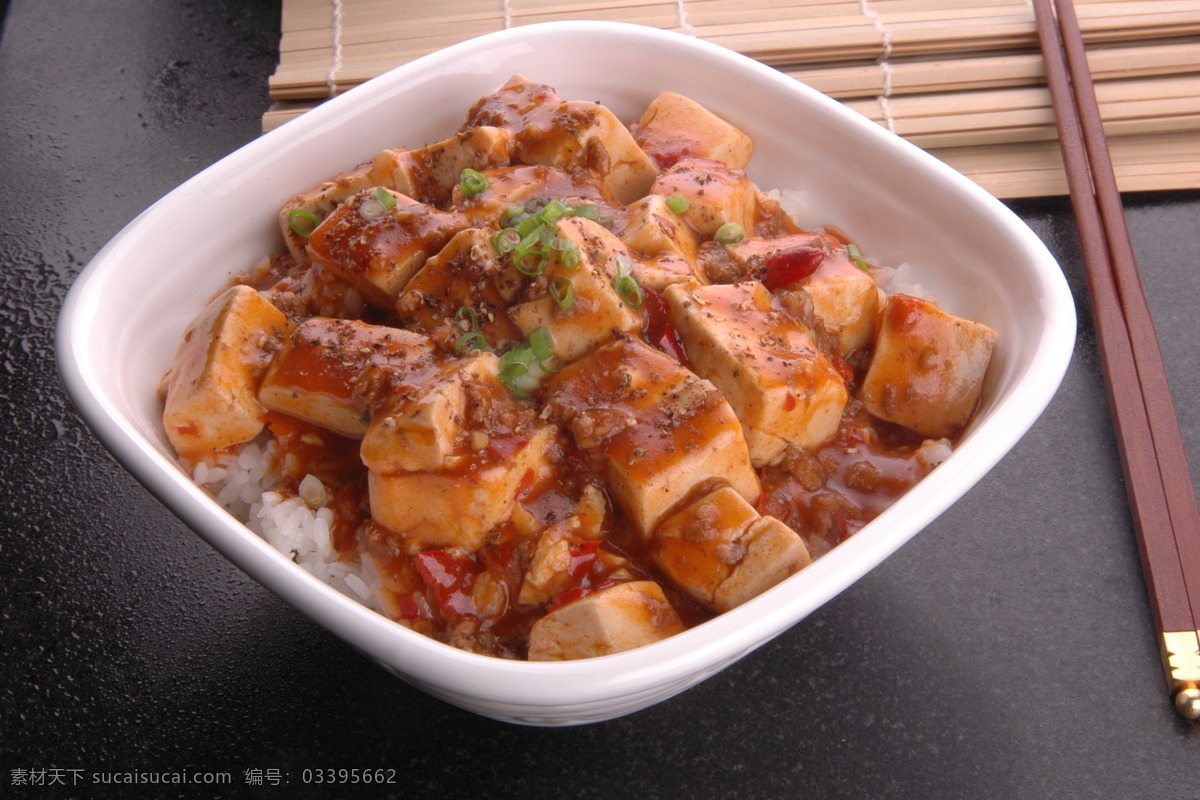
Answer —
960 78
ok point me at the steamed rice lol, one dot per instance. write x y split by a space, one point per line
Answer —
243 485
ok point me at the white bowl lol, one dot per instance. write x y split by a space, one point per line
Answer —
124 317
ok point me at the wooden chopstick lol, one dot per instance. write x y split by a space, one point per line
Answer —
1162 500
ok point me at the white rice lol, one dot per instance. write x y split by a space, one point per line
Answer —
241 484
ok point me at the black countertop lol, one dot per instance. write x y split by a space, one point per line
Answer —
1006 652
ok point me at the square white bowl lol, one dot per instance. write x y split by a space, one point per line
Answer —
124 317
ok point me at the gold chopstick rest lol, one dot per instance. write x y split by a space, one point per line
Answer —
1181 658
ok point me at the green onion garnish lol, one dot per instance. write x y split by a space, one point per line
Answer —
530 262
541 344
554 210
505 241
677 203
514 366
563 292
472 182
729 233
302 222
626 285
630 292
385 198
472 340
511 215
466 319
467 314
523 367
567 254
857 257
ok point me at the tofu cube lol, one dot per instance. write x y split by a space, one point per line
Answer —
322 199
467 272
329 371
665 269
928 367
716 194
774 552
430 174
572 135
650 227
844 298
212 387
460 507
514 186
607 621
581 135
721 552
378 249
675 127
659 430
598 311
782 388
424 426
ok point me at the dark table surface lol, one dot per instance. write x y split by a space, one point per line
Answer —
1006 652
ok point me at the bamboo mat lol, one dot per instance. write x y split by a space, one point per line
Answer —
962 79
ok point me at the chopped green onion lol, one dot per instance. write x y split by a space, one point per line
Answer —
541 344
513 366
857 257
625 284
563 292
511 215
630 292
472 182
568 255
302 222
385 198
729 233
528 225
587 211
523 367
505 241
467 314
530 262
554 210
677 203
371 208
472 340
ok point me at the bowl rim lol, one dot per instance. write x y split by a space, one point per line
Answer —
706 648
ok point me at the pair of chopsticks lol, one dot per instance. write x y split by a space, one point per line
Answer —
1159 485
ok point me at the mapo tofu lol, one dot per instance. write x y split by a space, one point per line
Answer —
563 385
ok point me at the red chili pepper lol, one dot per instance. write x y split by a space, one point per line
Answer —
407 607
505 445
845 525
668 153
844 369
660 333
586 571
450 577
583 557
789 267
576 593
